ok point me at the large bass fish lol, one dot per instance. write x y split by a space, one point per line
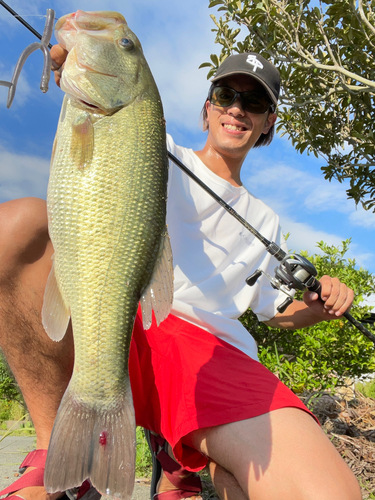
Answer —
106 208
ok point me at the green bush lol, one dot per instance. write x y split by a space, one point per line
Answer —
322 356
4 410
11 410
8 386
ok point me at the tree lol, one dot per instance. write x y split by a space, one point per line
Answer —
321 356
326 59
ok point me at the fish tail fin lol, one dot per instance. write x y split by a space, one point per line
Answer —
93 442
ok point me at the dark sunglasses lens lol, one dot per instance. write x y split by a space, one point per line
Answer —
223 96
255 103
251 101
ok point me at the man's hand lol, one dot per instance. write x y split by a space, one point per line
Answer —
58 55
336 299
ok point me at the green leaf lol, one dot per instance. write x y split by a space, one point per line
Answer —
205 65
213 3
214 59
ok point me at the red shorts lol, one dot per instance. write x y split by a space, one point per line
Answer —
184 378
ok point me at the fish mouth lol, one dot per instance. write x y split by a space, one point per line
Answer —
88 37
100 23
89 104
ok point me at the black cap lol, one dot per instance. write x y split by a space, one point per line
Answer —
254 65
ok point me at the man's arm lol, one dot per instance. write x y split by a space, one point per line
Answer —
337 298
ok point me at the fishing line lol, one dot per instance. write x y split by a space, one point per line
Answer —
22 21
44 45
294 271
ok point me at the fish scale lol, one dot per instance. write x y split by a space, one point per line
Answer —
106 208
120 258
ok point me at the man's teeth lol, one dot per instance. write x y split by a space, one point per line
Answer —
233 127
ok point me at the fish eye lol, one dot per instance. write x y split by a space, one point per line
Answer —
126 43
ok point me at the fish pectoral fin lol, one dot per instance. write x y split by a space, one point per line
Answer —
55 314
158 296
82 144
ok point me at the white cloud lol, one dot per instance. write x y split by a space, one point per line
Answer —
363 218
302 236
305 237
295 194
22 175
316 194
310 192
365 260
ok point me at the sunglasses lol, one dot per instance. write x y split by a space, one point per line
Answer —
251 101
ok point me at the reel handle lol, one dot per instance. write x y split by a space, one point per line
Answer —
317 288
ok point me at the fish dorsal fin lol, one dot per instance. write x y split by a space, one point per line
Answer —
55 314
158 296
82 144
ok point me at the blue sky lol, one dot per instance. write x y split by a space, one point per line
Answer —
176 38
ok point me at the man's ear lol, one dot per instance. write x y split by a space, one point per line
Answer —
269 122
208 105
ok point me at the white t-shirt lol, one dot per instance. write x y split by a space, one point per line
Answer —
213 253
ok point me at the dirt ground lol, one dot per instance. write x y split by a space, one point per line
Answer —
349 421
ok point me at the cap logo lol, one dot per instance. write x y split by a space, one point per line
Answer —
252 59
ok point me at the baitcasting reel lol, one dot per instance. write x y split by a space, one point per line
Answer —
294 273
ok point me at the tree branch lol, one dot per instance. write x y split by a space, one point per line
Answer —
336 69
326 41
364 18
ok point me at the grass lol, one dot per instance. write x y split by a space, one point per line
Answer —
143 461
14 410
368 489
27 428
367 389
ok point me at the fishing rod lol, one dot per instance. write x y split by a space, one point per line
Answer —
295 272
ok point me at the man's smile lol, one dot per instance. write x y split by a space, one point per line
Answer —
234 127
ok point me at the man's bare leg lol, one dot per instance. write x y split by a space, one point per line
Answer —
279 455
41 367
226 485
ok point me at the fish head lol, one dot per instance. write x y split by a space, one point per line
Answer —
105 66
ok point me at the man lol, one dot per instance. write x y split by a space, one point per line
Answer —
204 392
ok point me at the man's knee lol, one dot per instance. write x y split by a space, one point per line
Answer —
23 233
